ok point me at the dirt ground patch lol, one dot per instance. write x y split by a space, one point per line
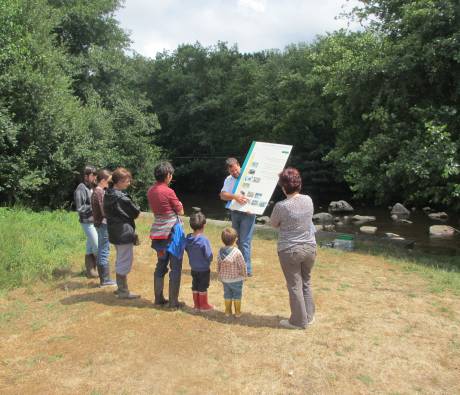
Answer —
378 329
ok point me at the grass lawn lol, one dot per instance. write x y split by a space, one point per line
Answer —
383 325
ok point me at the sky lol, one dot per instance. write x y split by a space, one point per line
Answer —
253 25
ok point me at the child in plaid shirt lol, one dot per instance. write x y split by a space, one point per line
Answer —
231 270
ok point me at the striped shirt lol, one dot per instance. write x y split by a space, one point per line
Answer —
165 205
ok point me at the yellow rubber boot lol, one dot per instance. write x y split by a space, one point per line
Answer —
228 307
237 308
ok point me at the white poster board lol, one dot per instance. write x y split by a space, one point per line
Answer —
259 175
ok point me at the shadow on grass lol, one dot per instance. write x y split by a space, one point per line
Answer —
109 299
74 285
247 319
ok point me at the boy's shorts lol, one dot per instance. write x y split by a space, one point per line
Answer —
200 280
233 290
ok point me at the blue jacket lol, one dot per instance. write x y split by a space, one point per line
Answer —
177 242
199 252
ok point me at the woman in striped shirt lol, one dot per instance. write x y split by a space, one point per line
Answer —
166 232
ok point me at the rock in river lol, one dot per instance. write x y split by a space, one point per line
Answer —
442 231
369 230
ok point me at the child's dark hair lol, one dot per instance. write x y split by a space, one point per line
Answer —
197 221
162 170
229 236
103 174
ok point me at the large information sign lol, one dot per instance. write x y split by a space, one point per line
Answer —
259 175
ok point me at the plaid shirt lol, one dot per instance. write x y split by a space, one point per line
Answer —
231 266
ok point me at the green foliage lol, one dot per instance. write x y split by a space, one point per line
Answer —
66 99
396 102
376 110
34 245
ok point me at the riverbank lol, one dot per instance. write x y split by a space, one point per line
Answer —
383 325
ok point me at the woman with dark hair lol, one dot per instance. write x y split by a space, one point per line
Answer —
121 212
82 199
167 235
100 222
296 247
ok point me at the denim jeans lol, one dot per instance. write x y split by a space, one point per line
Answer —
103 250
233 290
91 238
165 258
244 225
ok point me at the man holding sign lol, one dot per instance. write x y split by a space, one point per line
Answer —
248 189
242 221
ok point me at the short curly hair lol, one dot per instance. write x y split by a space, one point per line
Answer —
229 236
290 180
162 170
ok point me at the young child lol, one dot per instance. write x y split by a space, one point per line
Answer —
200 257
231 270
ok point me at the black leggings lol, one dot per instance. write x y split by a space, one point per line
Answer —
200 281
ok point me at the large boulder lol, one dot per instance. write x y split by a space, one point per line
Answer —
439 216
442 231
369 230
399 210
323 218
340 206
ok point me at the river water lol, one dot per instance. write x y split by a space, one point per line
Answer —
418 231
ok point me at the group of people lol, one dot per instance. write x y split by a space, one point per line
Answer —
107 215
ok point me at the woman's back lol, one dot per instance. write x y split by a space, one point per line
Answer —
293 216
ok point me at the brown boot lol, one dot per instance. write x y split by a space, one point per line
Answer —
90 266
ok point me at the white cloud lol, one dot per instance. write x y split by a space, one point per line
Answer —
254 5
252 24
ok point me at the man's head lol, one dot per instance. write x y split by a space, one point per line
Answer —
229 236
89 175
163 171
233 167
197 221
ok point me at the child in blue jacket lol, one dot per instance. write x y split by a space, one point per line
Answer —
200 256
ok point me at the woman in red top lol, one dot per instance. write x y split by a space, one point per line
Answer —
166 208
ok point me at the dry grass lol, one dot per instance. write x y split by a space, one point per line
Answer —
379 329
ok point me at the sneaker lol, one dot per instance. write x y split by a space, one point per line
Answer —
109 283
311 321
286 324
250 274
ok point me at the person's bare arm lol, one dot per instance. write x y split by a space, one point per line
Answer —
241 199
